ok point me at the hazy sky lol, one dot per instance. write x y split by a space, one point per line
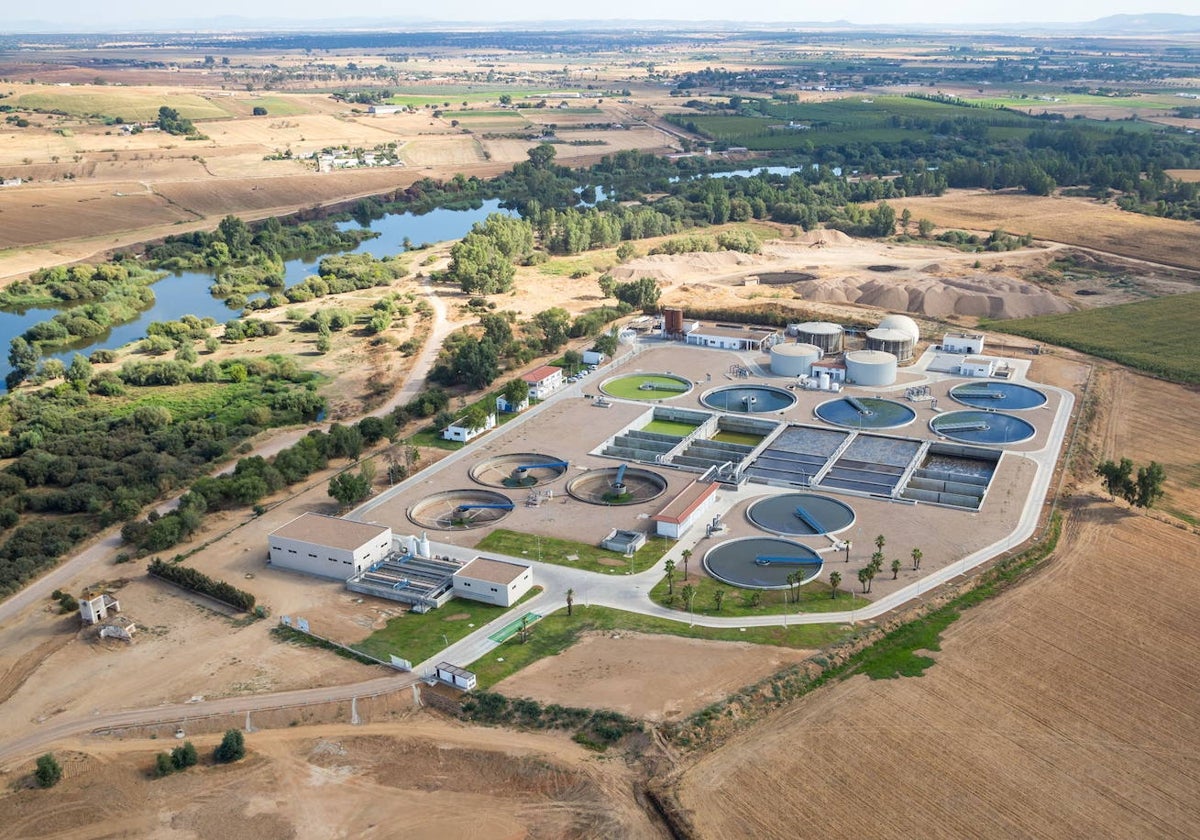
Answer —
125 12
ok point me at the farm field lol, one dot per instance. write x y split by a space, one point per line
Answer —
1075 221
1062 708
1153 335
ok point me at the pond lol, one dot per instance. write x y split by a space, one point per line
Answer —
186 293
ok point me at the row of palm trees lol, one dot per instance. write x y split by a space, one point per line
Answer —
867 574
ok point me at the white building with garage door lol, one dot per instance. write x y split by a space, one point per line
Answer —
493 581
328 546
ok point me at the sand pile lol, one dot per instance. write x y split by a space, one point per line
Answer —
988 296
673 268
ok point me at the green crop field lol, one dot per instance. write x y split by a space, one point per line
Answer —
279 106
1156 336
126 104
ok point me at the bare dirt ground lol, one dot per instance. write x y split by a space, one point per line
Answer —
424 777
1063 708
651 677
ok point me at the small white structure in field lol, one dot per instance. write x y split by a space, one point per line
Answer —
94 607
493 581
328 546
455 676
592 357
118 627
460 431
506 407
961 342
543 381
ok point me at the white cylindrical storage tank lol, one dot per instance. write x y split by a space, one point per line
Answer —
902 323
870 367
793 359
821 334
824 378
897 342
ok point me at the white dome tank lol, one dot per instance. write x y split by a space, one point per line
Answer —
870 368
904 323
794 359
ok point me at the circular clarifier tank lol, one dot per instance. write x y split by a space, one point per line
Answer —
761 562
519 469
801 514
865 413
982 427
646 386
617 486
1008 396
748 399
458 510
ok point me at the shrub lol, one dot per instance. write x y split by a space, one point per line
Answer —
232 747
48 772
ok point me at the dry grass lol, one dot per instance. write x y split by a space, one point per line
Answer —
1076 221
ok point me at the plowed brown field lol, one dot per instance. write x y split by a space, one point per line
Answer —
1065 708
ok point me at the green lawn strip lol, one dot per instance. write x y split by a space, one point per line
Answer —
591 558
558 631
418 636
294 636
1154 336
814 597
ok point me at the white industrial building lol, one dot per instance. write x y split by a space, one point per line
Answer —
543 381
460 431
685 510
328 546
961 342
977 366
493 581
730 337
506 407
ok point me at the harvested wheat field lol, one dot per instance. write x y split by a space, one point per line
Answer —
419 778
1076 221
1065 708
651 677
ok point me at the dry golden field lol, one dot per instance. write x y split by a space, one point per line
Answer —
1075 221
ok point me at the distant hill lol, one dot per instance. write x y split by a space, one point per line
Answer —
1139 24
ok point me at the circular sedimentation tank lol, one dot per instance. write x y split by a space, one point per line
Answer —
761 562
646 386
994 427
865 413
1008 396
782 514
599 487
748 399
517 470
460 510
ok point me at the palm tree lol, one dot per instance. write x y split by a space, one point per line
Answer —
687 555
880 542
863 578
895 569
524 628
917 554
688 592
835 580
670 567
570 600
718 598
877 561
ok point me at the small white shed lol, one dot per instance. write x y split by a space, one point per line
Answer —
455 676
